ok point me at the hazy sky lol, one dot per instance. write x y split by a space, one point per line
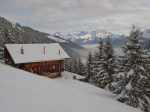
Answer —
75 15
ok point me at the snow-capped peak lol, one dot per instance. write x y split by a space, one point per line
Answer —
90 37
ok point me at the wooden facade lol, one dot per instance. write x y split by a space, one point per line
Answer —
50 69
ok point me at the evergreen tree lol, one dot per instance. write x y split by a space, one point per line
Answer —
6 35
97 64
70 67
74 66
80 67
135 77
108 68
9 34
67 65
89 66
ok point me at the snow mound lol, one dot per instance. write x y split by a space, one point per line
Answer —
70 76
26 92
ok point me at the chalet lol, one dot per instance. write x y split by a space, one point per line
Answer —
42 59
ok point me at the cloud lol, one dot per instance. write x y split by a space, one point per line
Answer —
75 15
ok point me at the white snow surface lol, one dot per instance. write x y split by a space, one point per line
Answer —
22 91
129 86
130 73
69 75
35 52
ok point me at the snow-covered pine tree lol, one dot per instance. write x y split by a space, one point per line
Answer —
18 36
5 37
67 65
80 67
89 66
9 34
108 68
74 65
97 65
70 67
136 78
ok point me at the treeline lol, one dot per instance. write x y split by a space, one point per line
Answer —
76 66
128 76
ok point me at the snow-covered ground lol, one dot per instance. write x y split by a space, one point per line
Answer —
70 76
21 91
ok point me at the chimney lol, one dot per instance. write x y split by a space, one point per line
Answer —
59 51
44 50
22 50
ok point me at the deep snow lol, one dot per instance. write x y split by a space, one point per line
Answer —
21 91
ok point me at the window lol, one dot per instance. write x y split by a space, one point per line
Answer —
49 68
53 67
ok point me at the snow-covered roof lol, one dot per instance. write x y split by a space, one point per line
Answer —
35 52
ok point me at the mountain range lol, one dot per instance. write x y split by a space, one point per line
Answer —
92 37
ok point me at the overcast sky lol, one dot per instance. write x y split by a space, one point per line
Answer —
66 16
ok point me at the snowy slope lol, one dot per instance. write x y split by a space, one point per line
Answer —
25 92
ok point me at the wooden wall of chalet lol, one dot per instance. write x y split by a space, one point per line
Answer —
47 68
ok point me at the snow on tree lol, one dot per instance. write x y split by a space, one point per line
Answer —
5 37
8 34
67 65
70 65
18 35
97 65
89 67
108 68
80 67
134 82
75 66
